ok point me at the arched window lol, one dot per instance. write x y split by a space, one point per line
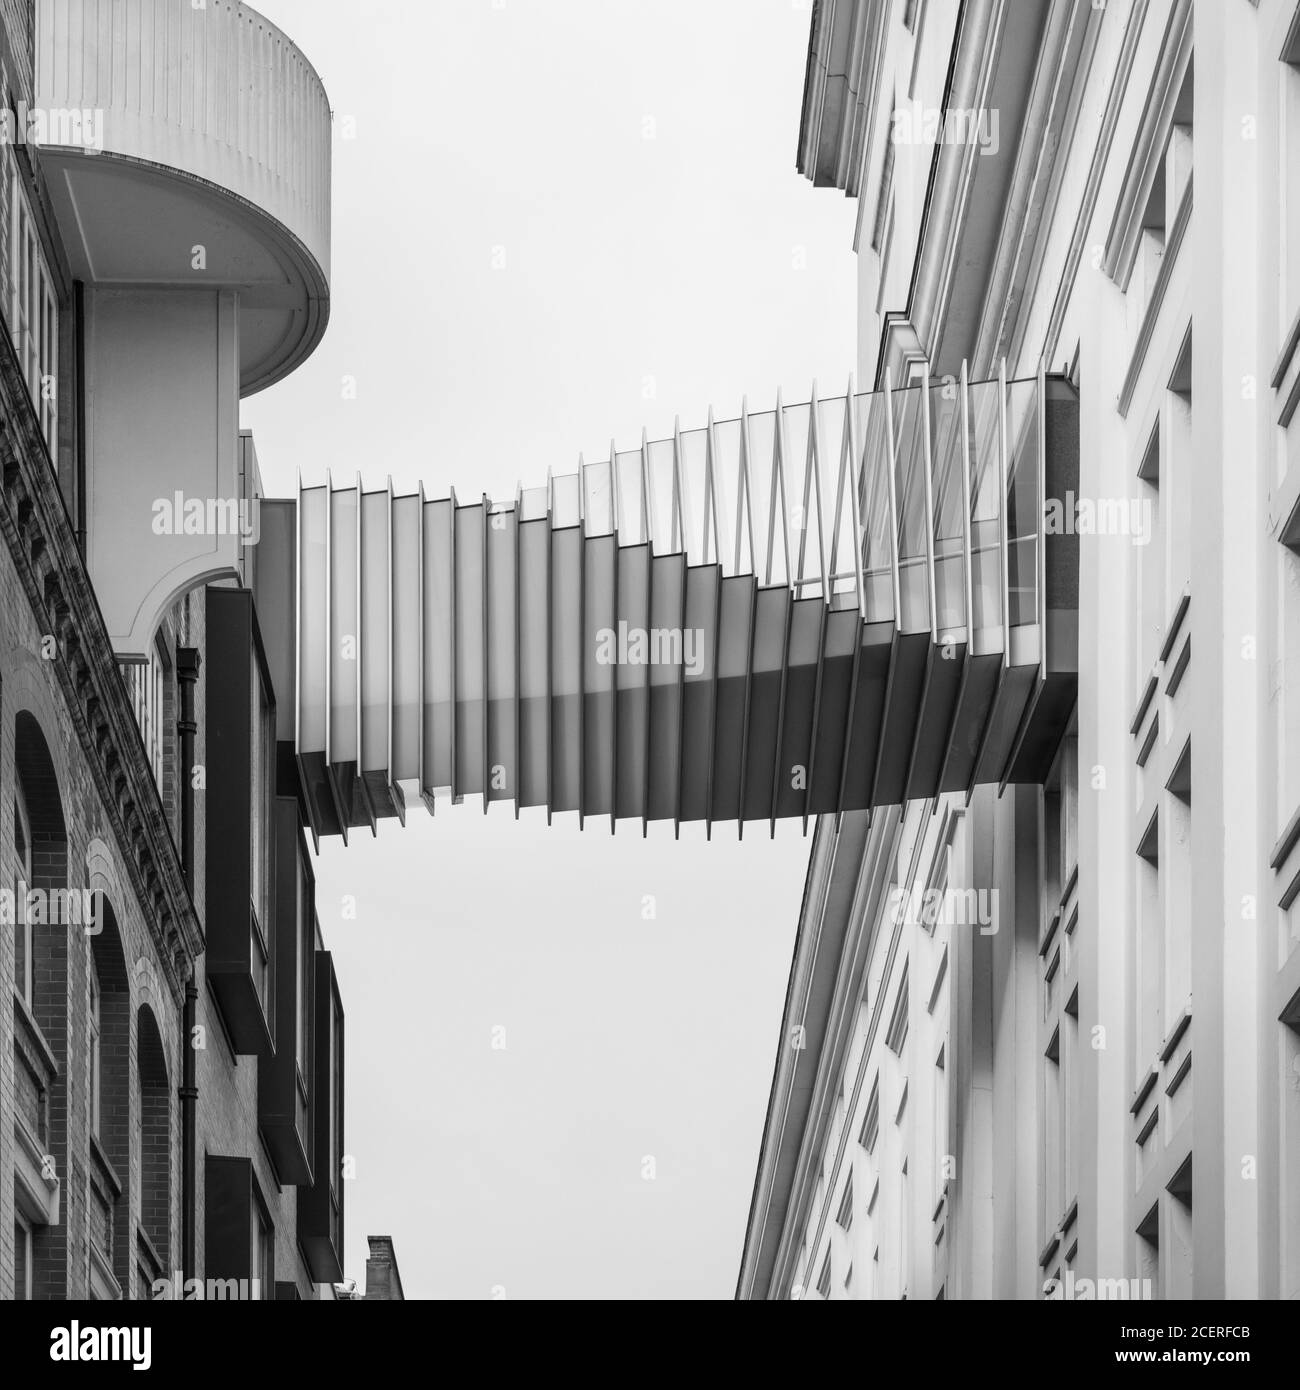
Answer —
93 1021
108 1092
23 961
51 1076
154 1137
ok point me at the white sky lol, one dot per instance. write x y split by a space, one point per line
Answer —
643 277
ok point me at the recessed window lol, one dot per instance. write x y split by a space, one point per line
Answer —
22 1259
261 790
896 1038
261 1270
23 964
33 312
1291 45
871 1122
824 1278
844 1216
94 1026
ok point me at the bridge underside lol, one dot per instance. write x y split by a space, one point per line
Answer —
821 608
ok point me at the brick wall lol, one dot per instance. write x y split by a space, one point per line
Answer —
82 855
140 1113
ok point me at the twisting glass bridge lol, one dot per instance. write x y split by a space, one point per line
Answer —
813 609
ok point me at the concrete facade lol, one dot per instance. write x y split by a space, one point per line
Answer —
1103 1087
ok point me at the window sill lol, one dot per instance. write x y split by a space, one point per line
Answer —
105 1168
34 1037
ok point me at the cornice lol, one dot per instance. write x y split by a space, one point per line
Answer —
43 548
974 59
844 45
1065 61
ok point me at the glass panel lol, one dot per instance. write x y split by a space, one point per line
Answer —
1024 506
598 499
630 510
909 488
986 492
802 492
564 504
838 478
873 483
733 536
769 543
949 486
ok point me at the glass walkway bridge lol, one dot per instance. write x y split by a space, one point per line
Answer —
813 609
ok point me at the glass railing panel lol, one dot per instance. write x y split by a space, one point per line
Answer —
665 529
909 486
985 497
839 476
1024 505
733 535
878 538
565 508
629 501
598 499
769 547
802 492
697 516
532 503
949 494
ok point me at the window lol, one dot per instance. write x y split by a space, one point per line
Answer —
262 788
261 1265
884 195
844 1216
871 1122
261 736
303 967
22 1259
909 15
94 1026
147 686
942 1156
896 1038
23 965
33 313
824 1278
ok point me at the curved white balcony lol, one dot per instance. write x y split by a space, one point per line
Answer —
212 168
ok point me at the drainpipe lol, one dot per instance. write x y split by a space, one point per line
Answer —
187 674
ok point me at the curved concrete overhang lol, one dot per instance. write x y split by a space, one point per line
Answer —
127 223
189 147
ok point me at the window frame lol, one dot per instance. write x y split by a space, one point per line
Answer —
24 1239
261 829
261 1249
33 310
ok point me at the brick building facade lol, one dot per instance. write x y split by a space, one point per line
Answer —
170 1110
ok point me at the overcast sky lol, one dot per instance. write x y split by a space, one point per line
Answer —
557 221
